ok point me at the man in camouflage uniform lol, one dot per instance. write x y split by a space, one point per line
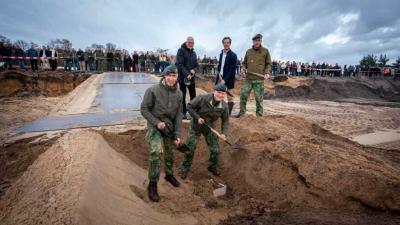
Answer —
162 108
256 60
206 109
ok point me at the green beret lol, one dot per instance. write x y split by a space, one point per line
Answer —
170 69
257 36
220 87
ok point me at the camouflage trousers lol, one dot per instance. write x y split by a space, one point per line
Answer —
248 85
191 142
159 147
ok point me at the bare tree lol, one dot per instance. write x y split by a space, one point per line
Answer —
111 46
60 43
95 46
22 44
4 39
162 51
34 45
66 43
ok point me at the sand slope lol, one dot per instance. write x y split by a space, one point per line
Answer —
81 180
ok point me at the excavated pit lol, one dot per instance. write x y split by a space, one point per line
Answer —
45 83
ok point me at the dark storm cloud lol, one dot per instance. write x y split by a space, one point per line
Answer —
334 31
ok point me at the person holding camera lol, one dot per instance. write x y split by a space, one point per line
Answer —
162 108
186 62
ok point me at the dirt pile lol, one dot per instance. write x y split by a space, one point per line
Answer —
292 163
289 164
338 88
16 158
313 217
323 88
81 180
47 83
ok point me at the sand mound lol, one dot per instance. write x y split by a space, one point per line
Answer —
81 180
47 83
292 163
289 163
286 164
323 88
81 98
338 88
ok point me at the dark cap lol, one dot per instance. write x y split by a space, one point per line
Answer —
170 69
257 36
220 87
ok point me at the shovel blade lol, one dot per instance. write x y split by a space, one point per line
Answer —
234 146
183 148
280 79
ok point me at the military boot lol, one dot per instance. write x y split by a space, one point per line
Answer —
152 191
171 179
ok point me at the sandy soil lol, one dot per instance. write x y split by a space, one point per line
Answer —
97 177
81 180
290 170
349 120
79 100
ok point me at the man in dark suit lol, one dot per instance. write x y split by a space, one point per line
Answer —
226 69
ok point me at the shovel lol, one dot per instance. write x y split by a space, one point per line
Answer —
183 148
273 78
232 145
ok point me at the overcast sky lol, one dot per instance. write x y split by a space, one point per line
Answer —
319 30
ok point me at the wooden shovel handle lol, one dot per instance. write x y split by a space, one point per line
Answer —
214 131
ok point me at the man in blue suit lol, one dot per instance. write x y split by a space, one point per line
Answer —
226 69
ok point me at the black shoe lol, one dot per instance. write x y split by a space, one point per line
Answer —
184 174
152 191
214 171
171 179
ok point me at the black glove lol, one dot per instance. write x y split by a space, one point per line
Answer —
168 131
183 148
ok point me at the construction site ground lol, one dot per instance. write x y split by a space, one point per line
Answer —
73 151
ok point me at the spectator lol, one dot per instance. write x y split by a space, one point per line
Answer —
135 61
33 54
7 51
53 59
20 57
43 54
81 58
98 58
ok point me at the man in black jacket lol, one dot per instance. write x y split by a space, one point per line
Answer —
226 69
7 50
186 62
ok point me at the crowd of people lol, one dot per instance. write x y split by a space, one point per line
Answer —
99 59
324 69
